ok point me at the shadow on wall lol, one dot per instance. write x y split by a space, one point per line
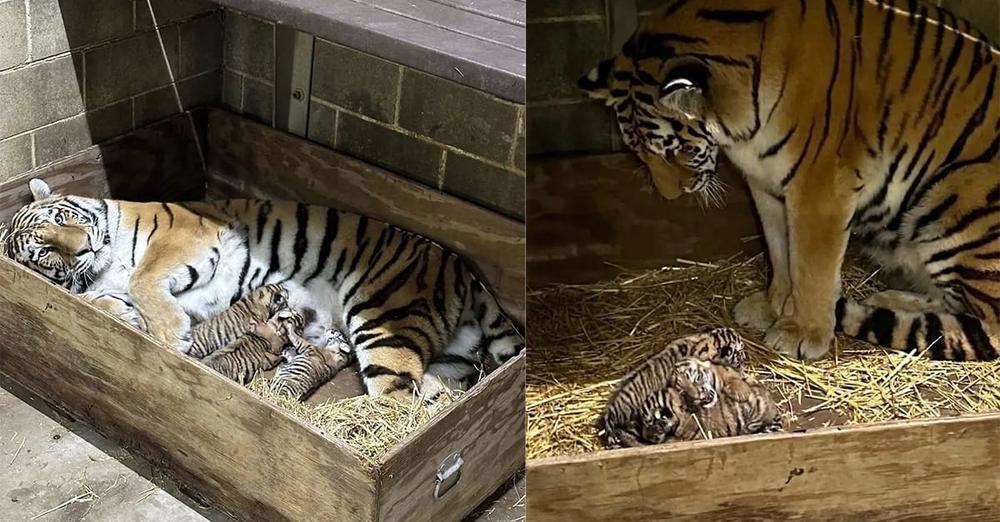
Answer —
78 73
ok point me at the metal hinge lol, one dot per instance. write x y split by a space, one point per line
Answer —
448 474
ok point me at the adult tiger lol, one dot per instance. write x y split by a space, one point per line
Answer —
405 302
877 118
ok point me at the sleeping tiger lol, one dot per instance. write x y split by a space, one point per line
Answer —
884 125
641 410
256 351
404 302
239 319
726 402
308 365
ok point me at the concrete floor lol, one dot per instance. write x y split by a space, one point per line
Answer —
53 469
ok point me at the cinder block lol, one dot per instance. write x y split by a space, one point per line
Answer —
356 81
60 25
200 46
559 54
499 189
15 156
131 66
13 35
249 45
457 115
167 11
258 101
322 124
38 95
389 149
560 8
575 127
66 137
190 93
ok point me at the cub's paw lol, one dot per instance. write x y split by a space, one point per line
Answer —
788 338
754 311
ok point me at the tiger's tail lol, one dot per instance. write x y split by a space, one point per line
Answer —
941 336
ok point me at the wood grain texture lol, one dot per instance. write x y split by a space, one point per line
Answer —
486 427
941 469
244 455
590 215
154 163
251 160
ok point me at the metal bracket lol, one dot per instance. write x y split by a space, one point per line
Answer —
292 79
448 474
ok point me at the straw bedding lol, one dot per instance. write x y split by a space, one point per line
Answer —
583 338
370 425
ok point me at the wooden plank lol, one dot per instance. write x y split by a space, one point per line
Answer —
244 455
249 159
940 469
486 427
159 162
590 214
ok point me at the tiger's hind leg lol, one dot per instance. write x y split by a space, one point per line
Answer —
458 367
501 341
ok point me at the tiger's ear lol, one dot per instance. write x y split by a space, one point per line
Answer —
39 189
684 90
597 83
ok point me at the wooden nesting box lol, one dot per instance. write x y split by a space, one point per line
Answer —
241 454
590 213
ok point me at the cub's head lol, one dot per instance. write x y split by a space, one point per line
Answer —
57 236
272 297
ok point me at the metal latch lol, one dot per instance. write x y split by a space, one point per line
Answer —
448 474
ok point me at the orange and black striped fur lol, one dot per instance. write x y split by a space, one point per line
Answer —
646 407
724 402
875 118
241 318
405 303
308 365
256 351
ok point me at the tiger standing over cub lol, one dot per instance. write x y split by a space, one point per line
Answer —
884 123
407 305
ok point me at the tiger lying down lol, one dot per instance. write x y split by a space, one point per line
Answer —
285 281
693 389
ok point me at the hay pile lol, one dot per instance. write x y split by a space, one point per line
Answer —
584 338
371 425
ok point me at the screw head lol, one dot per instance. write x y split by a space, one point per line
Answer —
298 94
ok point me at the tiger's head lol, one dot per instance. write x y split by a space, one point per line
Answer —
671 86
60 237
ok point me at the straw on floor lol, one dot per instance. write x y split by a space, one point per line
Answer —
583 338
371 425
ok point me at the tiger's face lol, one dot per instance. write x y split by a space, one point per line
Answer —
660 115
57 238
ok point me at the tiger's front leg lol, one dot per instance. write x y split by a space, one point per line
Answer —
761 309
819 210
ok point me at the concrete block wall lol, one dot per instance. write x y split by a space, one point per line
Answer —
79 72
459 140
567 37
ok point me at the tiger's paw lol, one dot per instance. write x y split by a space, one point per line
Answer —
754 311
788 338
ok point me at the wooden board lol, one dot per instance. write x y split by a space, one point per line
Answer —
590 215
249 159
156 163
486 427
941 469
246 456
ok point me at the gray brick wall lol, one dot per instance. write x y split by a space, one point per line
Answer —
567 37
440 133
74 73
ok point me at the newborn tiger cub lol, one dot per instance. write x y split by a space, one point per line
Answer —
239 319
258 350
623 419
726 402
307 365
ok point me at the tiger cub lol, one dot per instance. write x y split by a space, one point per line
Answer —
307 365
256 351
623 418
725 402
885 127
242 317
406 304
